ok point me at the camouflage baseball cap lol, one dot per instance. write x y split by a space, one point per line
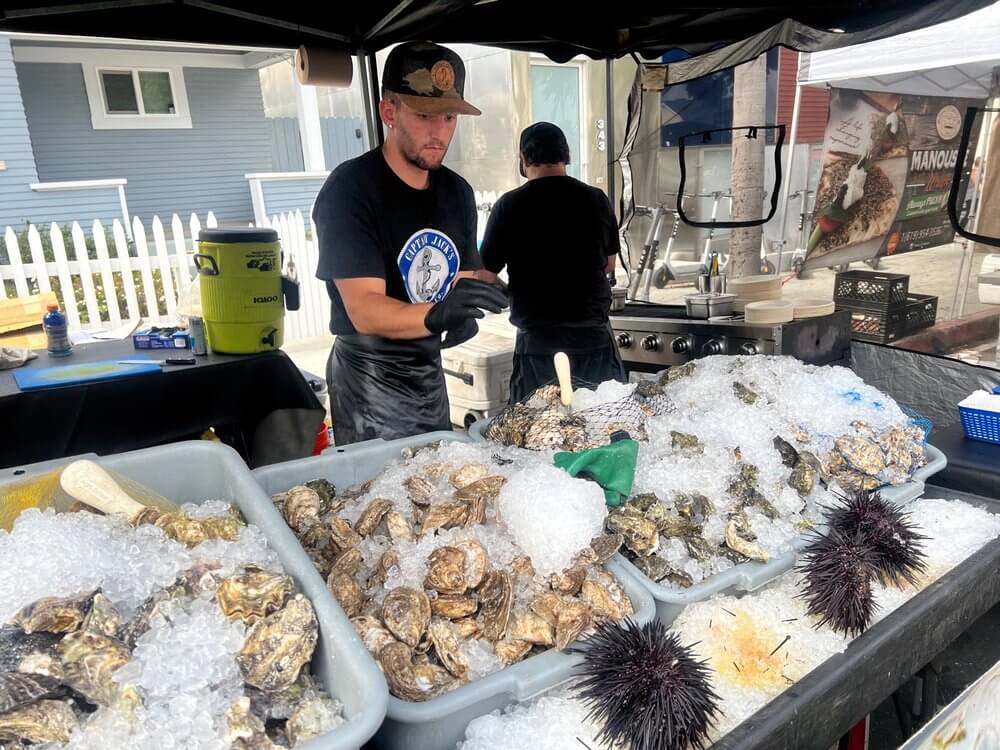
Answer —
427 77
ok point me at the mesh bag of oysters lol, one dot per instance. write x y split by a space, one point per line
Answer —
120 632
447 573
542 422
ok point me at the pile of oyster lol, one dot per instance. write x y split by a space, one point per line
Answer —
868 459
420 636
59 656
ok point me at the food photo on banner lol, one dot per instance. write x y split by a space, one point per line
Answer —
888 161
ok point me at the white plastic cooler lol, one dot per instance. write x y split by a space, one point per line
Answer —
477 374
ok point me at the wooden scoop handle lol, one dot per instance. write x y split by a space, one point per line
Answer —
90 484
565 382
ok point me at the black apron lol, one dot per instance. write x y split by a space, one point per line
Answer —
385 388
593 357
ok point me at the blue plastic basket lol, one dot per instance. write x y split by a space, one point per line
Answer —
980 424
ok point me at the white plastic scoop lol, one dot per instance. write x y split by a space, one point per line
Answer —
87 482
565 381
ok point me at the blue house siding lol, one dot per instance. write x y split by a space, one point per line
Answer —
19 205
168 171
342 140
291 195
286 144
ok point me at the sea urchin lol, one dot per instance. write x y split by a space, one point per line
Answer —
887 530
644 688
839 570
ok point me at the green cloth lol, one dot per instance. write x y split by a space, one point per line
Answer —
611 466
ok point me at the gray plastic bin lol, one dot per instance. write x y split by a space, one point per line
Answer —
670 602
441 722
193 472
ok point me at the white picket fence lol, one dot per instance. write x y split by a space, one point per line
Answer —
134 268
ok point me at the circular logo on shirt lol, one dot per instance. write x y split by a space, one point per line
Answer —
428 263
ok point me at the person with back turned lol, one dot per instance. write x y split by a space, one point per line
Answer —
558 239
397 245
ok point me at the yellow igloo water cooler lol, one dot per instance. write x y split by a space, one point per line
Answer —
241 289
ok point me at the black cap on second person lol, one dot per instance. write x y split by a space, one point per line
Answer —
544 143
428 78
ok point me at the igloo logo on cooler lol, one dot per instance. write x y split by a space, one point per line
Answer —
428 263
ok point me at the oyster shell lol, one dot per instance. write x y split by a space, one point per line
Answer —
641 535
436 472
740 538
477 512
18 690
89 660
246 731
446 646
532 628
310 719
744 394
804 474
399 528
698 548
201 577
328 495
302 508
606 600
39 722
419 489
372 516
15 645
569 581
454 606
396 661
572 618
406 613
789 455
349 562
511 425
54 614
677 372
477 561
346 591
521 566
606 546
468 474
102 618
653 567
343 534
373 633
466 628
447 515
683 441
496 594
278 646
388 561
487 488
253 594
510 651
44 663
695 507
862 454
547 607
446 571
194 531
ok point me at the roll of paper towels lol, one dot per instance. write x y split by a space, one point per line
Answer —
323 66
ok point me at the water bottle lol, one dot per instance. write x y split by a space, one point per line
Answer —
54 324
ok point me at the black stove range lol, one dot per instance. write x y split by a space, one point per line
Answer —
652 337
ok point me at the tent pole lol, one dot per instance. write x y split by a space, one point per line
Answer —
609 126
796 107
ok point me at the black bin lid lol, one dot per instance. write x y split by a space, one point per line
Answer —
224 235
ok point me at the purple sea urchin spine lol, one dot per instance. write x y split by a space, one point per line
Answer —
839 570
645 689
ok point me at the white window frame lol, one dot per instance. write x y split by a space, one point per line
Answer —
102 120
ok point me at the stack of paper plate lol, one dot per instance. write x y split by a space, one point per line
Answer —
769 312
813 308
754 289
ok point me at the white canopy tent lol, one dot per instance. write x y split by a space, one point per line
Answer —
957 59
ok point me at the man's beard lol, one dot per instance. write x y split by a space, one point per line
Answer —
414 156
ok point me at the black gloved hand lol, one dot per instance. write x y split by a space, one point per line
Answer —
467 299
460 334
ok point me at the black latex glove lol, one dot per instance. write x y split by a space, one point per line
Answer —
467 299
459 335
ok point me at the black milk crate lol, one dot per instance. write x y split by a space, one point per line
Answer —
921 312
870 290
877 326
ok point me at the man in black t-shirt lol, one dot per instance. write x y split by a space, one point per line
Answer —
397 248
558 239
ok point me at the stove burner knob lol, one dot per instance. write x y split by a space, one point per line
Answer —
680 345
749 348
624 340
651 343
715 346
